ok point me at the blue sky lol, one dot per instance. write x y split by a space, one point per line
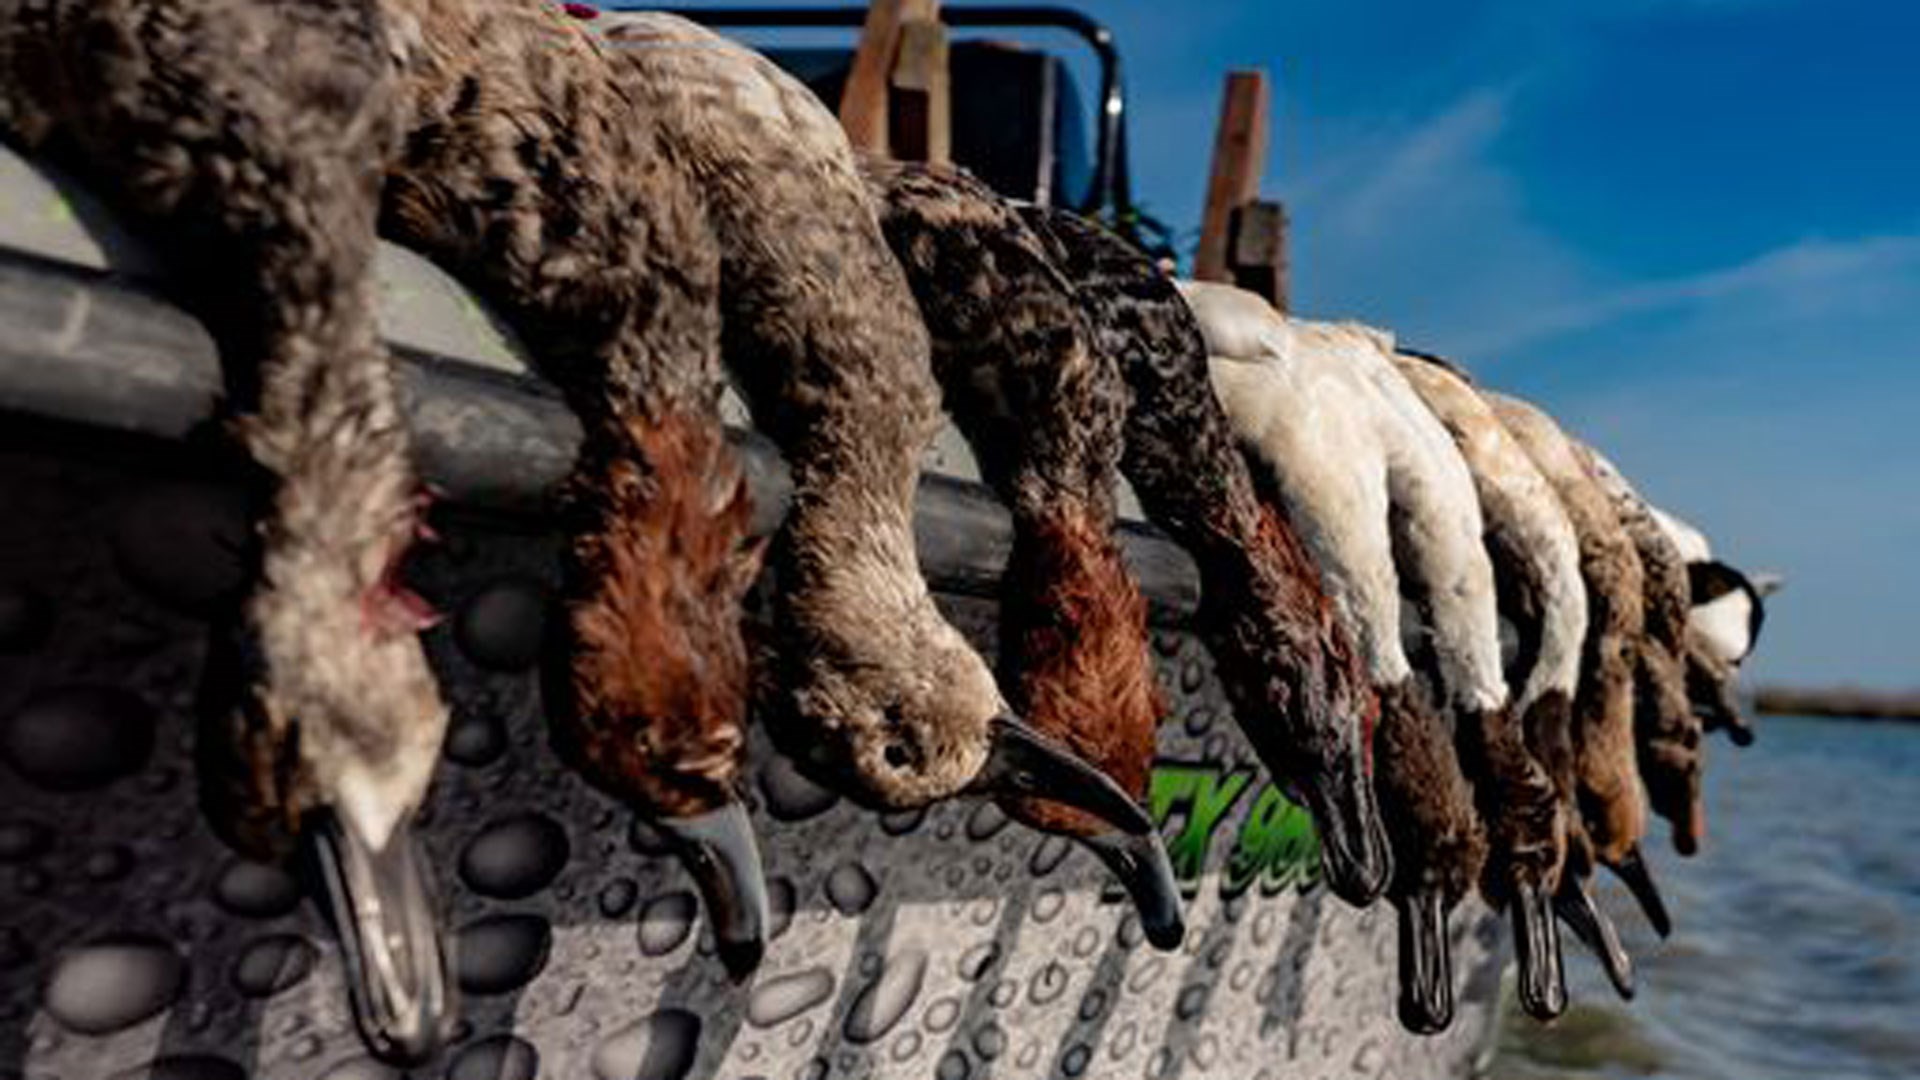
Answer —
1690 228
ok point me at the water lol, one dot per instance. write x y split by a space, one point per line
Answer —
1796 949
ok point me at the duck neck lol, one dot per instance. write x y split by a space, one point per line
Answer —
1074 648
1283 653
329 430
659 560
848 535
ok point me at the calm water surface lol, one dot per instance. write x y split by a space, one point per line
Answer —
1796 949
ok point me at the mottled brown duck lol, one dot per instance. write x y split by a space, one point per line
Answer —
1666 730
1043 411
251 136
1295 681
877 691
528 171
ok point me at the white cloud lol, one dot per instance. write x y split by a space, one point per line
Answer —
1415 226
1808 277
1367 197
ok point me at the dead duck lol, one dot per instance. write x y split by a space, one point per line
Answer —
1536 560
1732 629
1612 804
1729 608
878 692
1537 568
1385 503
577 225
180 111
1667 730
1435 494
1295 681
1043 411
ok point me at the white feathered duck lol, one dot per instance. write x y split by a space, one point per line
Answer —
1386 504
1536 557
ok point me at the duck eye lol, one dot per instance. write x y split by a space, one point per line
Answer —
896 755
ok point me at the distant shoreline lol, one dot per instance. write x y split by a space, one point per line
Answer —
1837 702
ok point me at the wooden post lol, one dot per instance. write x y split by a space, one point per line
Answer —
1239 157
1257 257
921 117
863 102
902 48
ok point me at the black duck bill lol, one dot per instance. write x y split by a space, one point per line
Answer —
1543 983
1575 906
1631 869
384 911
1426 962
1354 853
1141 864
720 854
1023 762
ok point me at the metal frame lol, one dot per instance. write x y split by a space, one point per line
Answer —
1111 191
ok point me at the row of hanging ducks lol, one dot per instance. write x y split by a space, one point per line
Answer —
655 208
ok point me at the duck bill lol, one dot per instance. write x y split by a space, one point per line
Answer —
1543 983
1141 864
1718 709
1710 688
720 854
1023 762
1574 904
1691 828
1739 730
396 961
1426 963
1631 868
1355 856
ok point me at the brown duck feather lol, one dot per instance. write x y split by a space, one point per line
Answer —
1668 734
1043 412
1612 802
528 171
1609 780
821 331
1296 683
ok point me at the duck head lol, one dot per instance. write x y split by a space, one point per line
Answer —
1729 607
1439 848
1073 633
1723 625
322 723
648 697
884 698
